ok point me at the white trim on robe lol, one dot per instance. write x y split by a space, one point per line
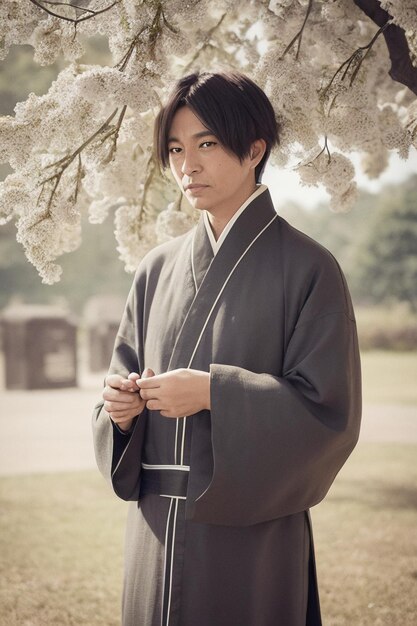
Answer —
183 468
260 188
169 559
165 564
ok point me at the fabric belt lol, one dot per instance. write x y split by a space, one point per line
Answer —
170 481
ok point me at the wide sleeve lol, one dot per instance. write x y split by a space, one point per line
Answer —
279 441
118 454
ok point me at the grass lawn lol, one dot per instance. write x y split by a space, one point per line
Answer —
389 377
366 539
61 539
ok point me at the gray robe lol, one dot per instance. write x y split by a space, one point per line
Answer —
271 318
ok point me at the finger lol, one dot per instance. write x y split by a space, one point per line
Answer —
118 396
123 424
114 381
154 405
119 415
148 394
129 383
123 414
168 414
120 420
149 383
148 372
117 406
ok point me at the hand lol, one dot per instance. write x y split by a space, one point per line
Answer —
122 400
177 393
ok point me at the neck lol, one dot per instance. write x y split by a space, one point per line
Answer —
220 216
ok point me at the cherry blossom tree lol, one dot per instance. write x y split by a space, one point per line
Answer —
341 74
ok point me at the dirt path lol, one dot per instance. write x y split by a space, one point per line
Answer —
47 431
389 423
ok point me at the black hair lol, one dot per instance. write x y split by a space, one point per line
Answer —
230 105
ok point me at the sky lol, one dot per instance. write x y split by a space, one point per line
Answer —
285 184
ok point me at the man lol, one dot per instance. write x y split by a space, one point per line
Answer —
233 397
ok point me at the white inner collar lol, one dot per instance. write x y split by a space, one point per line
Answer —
260 188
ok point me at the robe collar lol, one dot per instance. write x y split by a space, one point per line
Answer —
247 225
211 274
216 244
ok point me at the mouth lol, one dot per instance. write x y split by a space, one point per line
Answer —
195 187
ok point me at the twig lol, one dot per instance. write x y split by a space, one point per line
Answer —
411 127
357 57
402 69
205 44
78 178
325 147
73 20
114 133
63 163
299 35
122 64
68 4
152 31
150 173
85 144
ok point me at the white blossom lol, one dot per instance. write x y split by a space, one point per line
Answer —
17 22
279 7
374 162
135 235
403 13
98 210
172 222
15 197
46 234
109 85
87 143
393 134
335 173
338 174
298 121
341 203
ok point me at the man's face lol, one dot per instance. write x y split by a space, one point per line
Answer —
211 177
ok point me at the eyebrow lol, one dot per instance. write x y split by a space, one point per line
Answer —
202 133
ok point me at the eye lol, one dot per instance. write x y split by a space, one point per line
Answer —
207 144
174 150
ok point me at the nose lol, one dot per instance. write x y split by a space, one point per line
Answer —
190 164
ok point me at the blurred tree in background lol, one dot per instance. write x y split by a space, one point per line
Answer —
93 269
385 263
376 242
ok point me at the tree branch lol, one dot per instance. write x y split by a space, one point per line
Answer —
299 35
66 4
205 44
402 70
311 162
76 20
354 61
152 32
65 162
106 131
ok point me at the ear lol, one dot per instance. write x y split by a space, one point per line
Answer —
257 151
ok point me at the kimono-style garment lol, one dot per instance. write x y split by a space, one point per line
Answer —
218 530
